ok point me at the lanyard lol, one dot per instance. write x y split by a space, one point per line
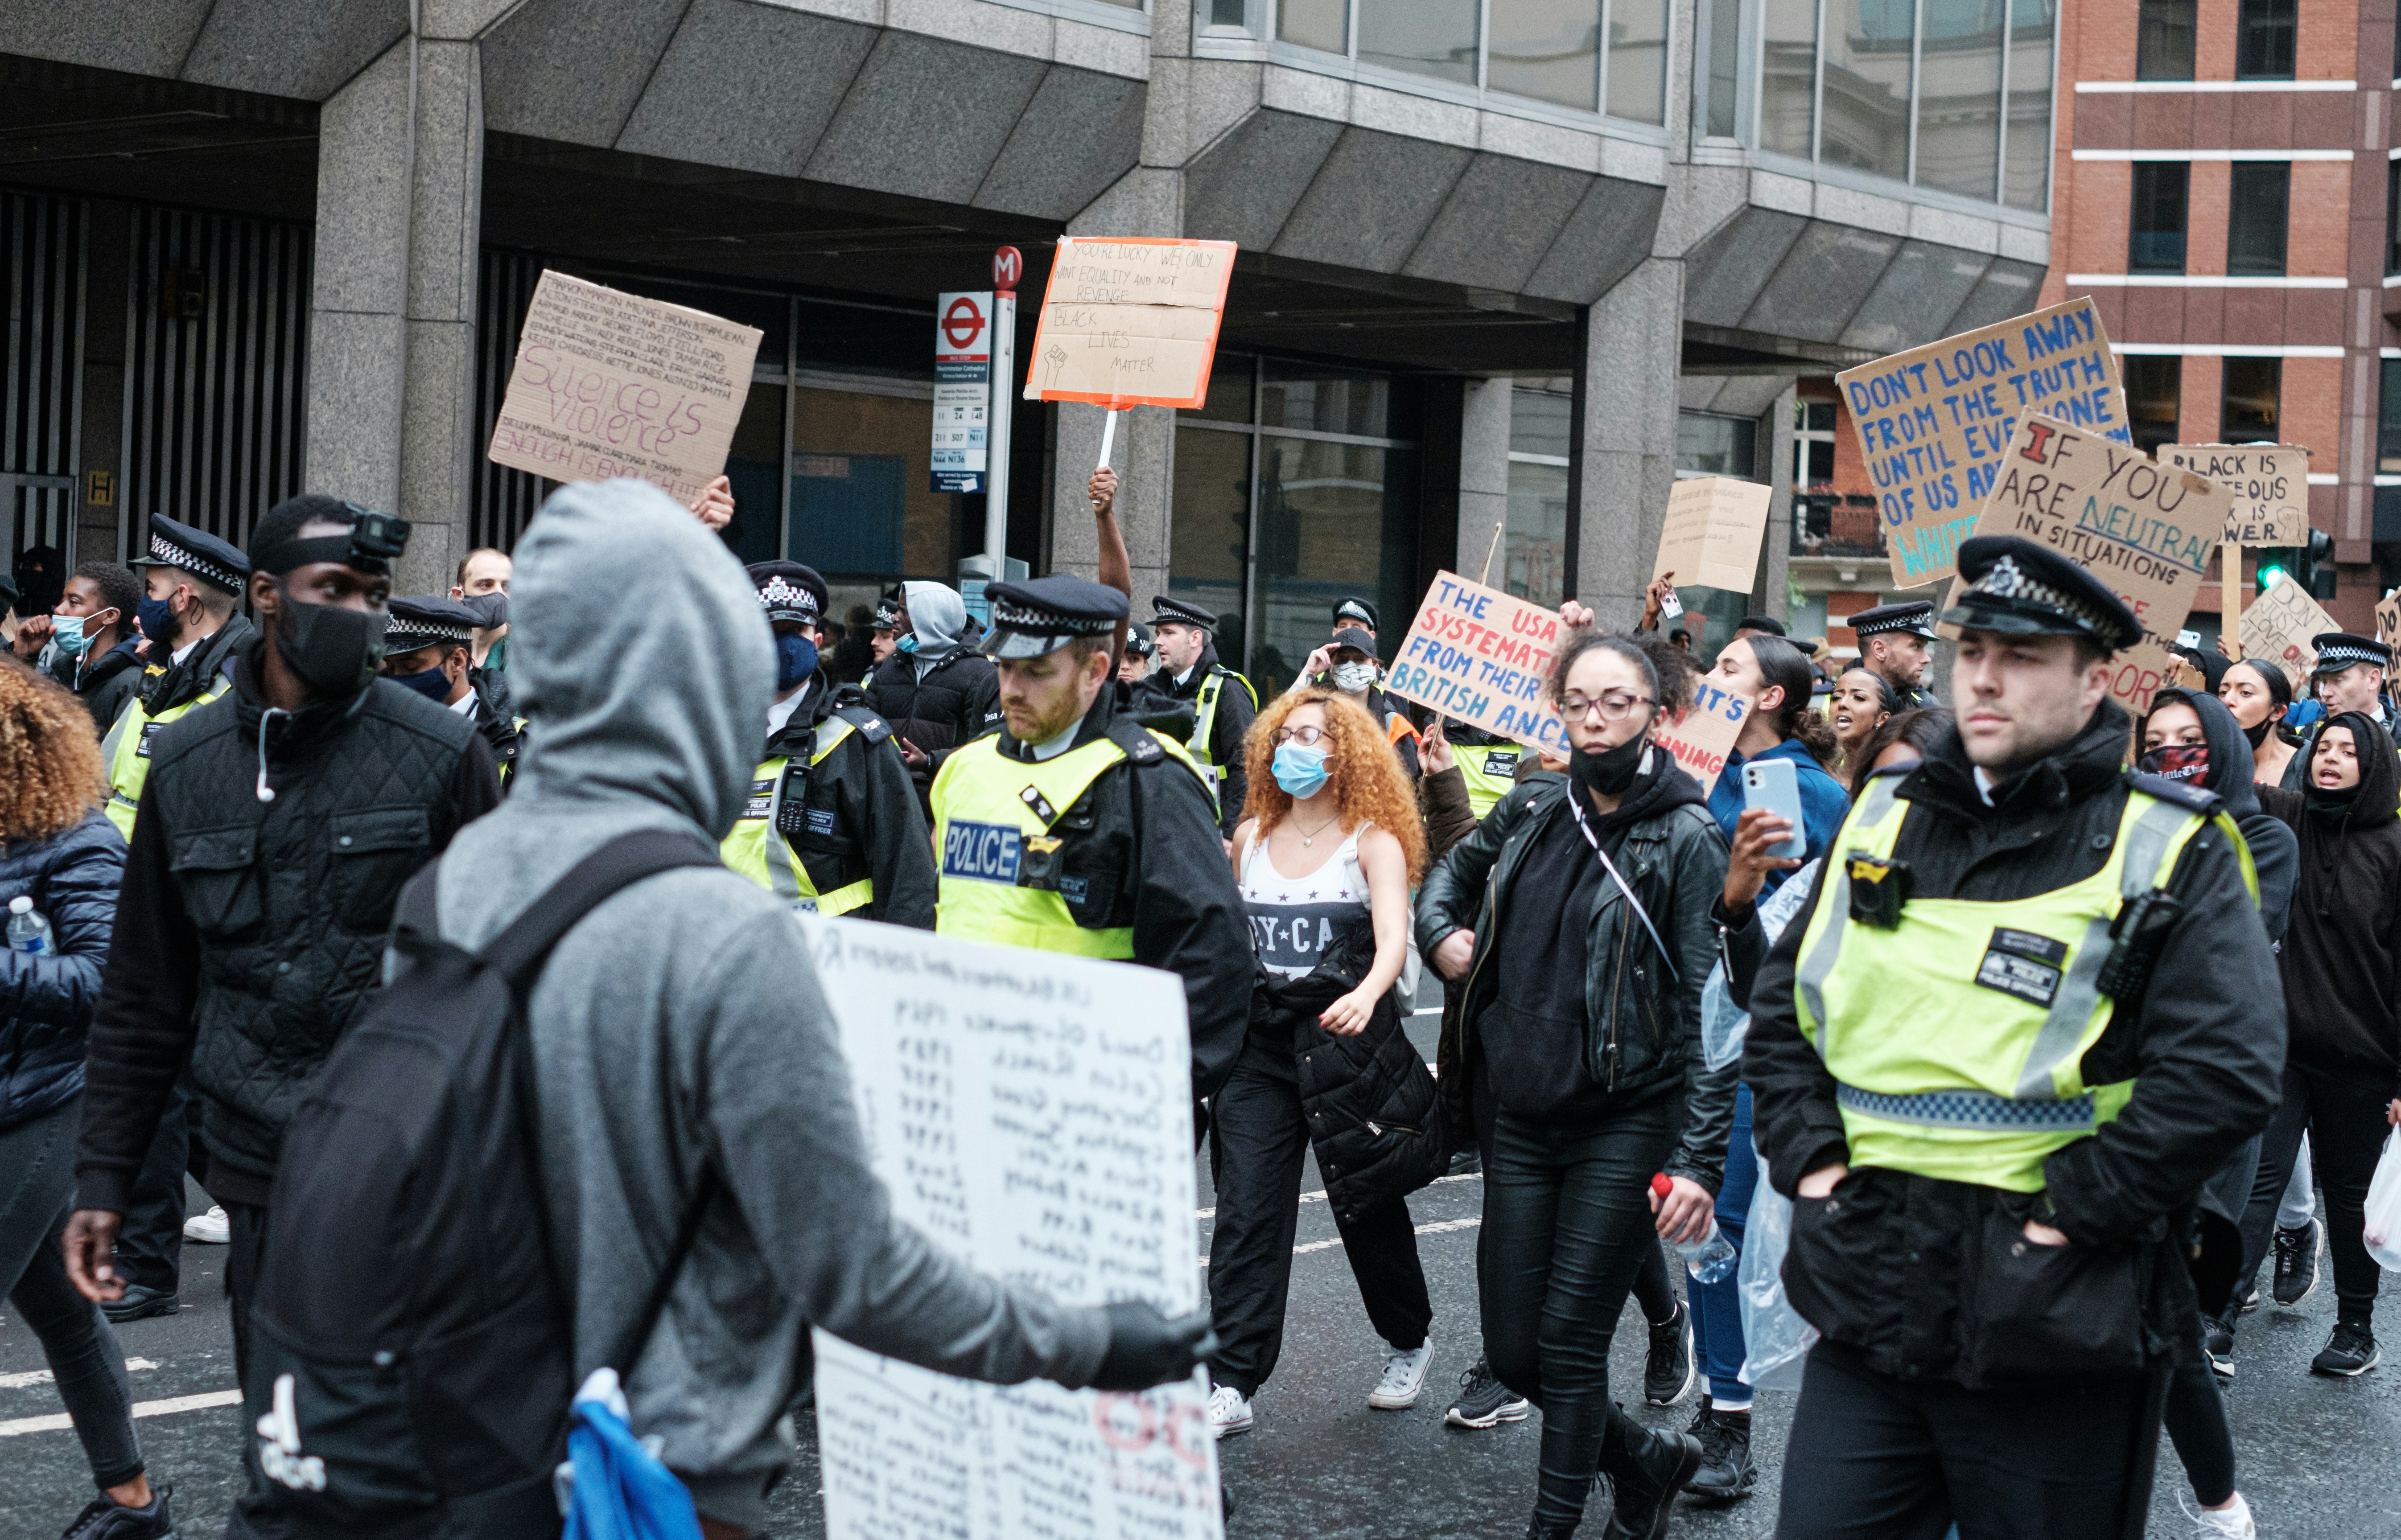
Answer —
1575 807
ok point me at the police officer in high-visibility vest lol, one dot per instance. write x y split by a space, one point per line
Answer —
1077 829
1488 764
1893 641
1222 703
428 645
192 582
2028 1010
831 821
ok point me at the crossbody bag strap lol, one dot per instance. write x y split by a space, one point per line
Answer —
1611 866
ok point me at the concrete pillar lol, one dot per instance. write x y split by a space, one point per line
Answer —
1143 458
392 311
1483 476
1776 566
1633 356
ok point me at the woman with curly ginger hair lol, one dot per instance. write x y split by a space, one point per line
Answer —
58 850
1326 855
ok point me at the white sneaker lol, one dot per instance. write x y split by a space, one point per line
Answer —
1404 1375
1229 1412
2227 1523
209 1229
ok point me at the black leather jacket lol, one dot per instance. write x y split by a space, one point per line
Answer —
1644 1030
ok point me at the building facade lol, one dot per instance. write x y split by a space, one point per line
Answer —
1505 270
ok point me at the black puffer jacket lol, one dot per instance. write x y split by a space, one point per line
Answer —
46 1003
104 683
957 700
1370 1101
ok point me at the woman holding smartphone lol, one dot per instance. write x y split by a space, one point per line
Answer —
1773 676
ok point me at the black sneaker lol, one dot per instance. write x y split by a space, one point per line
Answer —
2351 1350
1483 1401
139 1302
1726 1472
1646 1473
1667 1372
2297 1262
1467 1163
106 1519
2218 1341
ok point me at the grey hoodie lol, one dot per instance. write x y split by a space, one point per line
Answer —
937 615
680 1024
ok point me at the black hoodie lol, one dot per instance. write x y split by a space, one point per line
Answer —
2342 962
2274 854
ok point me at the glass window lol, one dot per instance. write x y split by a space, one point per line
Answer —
1534 559
2388 421
1211 526
1325 400
1725 55
1637 61
1315 24
1714 446
2392 211
861 476
2164 40
2156 240
1231 384
1334 519
2154 386
1548 49
1868 46
1959 97
2265 32
2026 184
754 464
1221 13
2254 399
1541 422
2255 225
1787 81
1436 37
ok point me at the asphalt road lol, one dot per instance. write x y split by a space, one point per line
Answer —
2317 1457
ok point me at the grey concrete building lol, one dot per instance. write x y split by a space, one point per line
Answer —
1505 266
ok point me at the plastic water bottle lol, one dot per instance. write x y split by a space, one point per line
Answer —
1712 1257
28 932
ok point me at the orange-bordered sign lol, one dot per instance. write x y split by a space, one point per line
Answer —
1130 321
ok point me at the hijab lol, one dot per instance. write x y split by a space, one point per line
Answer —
2276 852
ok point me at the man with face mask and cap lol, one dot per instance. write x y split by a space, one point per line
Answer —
191 584
830 823
429 647
1348 663
91 639
272 838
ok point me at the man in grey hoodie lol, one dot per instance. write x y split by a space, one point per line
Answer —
937 693
680 1028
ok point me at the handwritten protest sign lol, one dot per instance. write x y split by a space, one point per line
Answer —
1934 422
2146 530
2388 619
2270 483
2278 627
1030 1112
1481 656
1712 534
610 383
1131 322
1705 736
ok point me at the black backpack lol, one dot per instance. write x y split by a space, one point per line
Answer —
410 1346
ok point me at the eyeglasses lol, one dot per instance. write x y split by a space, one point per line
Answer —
1613 706
1308 738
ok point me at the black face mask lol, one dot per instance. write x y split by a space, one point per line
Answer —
333 650
1607 772
2258 735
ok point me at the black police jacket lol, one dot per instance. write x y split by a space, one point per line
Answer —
250 933
1932 1279
1236 712
869 824
957 701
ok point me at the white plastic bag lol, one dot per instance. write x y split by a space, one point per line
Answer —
1775 1338
2384 1206
1722 1026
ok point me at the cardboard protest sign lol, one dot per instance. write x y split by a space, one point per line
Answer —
2388 618
2278 627
1031 1115
1130 321
2146 530
1934 422
1480 655
1715 525
2270 483
610 383
1705 735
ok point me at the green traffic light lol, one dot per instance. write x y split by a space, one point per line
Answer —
2270 576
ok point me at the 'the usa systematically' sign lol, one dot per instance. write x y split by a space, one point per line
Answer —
1481 656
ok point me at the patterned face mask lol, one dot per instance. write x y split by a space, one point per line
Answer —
2177 762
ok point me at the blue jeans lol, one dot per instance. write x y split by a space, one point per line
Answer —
1717 1308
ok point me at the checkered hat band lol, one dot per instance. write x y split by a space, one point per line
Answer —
2346 654
408 636
779 594
167 551
1048 623
1895 623
2004 580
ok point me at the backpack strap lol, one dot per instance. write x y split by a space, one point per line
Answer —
526 943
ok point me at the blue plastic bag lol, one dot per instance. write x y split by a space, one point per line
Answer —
613 1487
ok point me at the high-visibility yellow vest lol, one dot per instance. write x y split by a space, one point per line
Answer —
756 851
127 749
1205 720
1957 1037
1491 771
993 817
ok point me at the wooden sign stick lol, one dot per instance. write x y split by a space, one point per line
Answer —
2229 597
1498 525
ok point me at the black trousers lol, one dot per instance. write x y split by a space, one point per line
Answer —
1259 1137
254 1513
1567 1224
2345 1119
150 1238
1872 1456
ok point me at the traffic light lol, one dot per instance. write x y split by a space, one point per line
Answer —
2311 565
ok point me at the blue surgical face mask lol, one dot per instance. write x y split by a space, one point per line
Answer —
433 683
67 632
908 643
1299 769
796 659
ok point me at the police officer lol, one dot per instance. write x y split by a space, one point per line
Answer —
1356 612
1076 829
429 647
831 821
1222 703
2349 676
1892 647
191 583
1488 764
2027 1013
1140 650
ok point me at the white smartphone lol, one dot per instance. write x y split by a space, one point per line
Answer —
1671 607
1775 785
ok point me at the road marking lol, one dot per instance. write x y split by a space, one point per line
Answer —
1319 1196
42 1376
1442 1228
60 1421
